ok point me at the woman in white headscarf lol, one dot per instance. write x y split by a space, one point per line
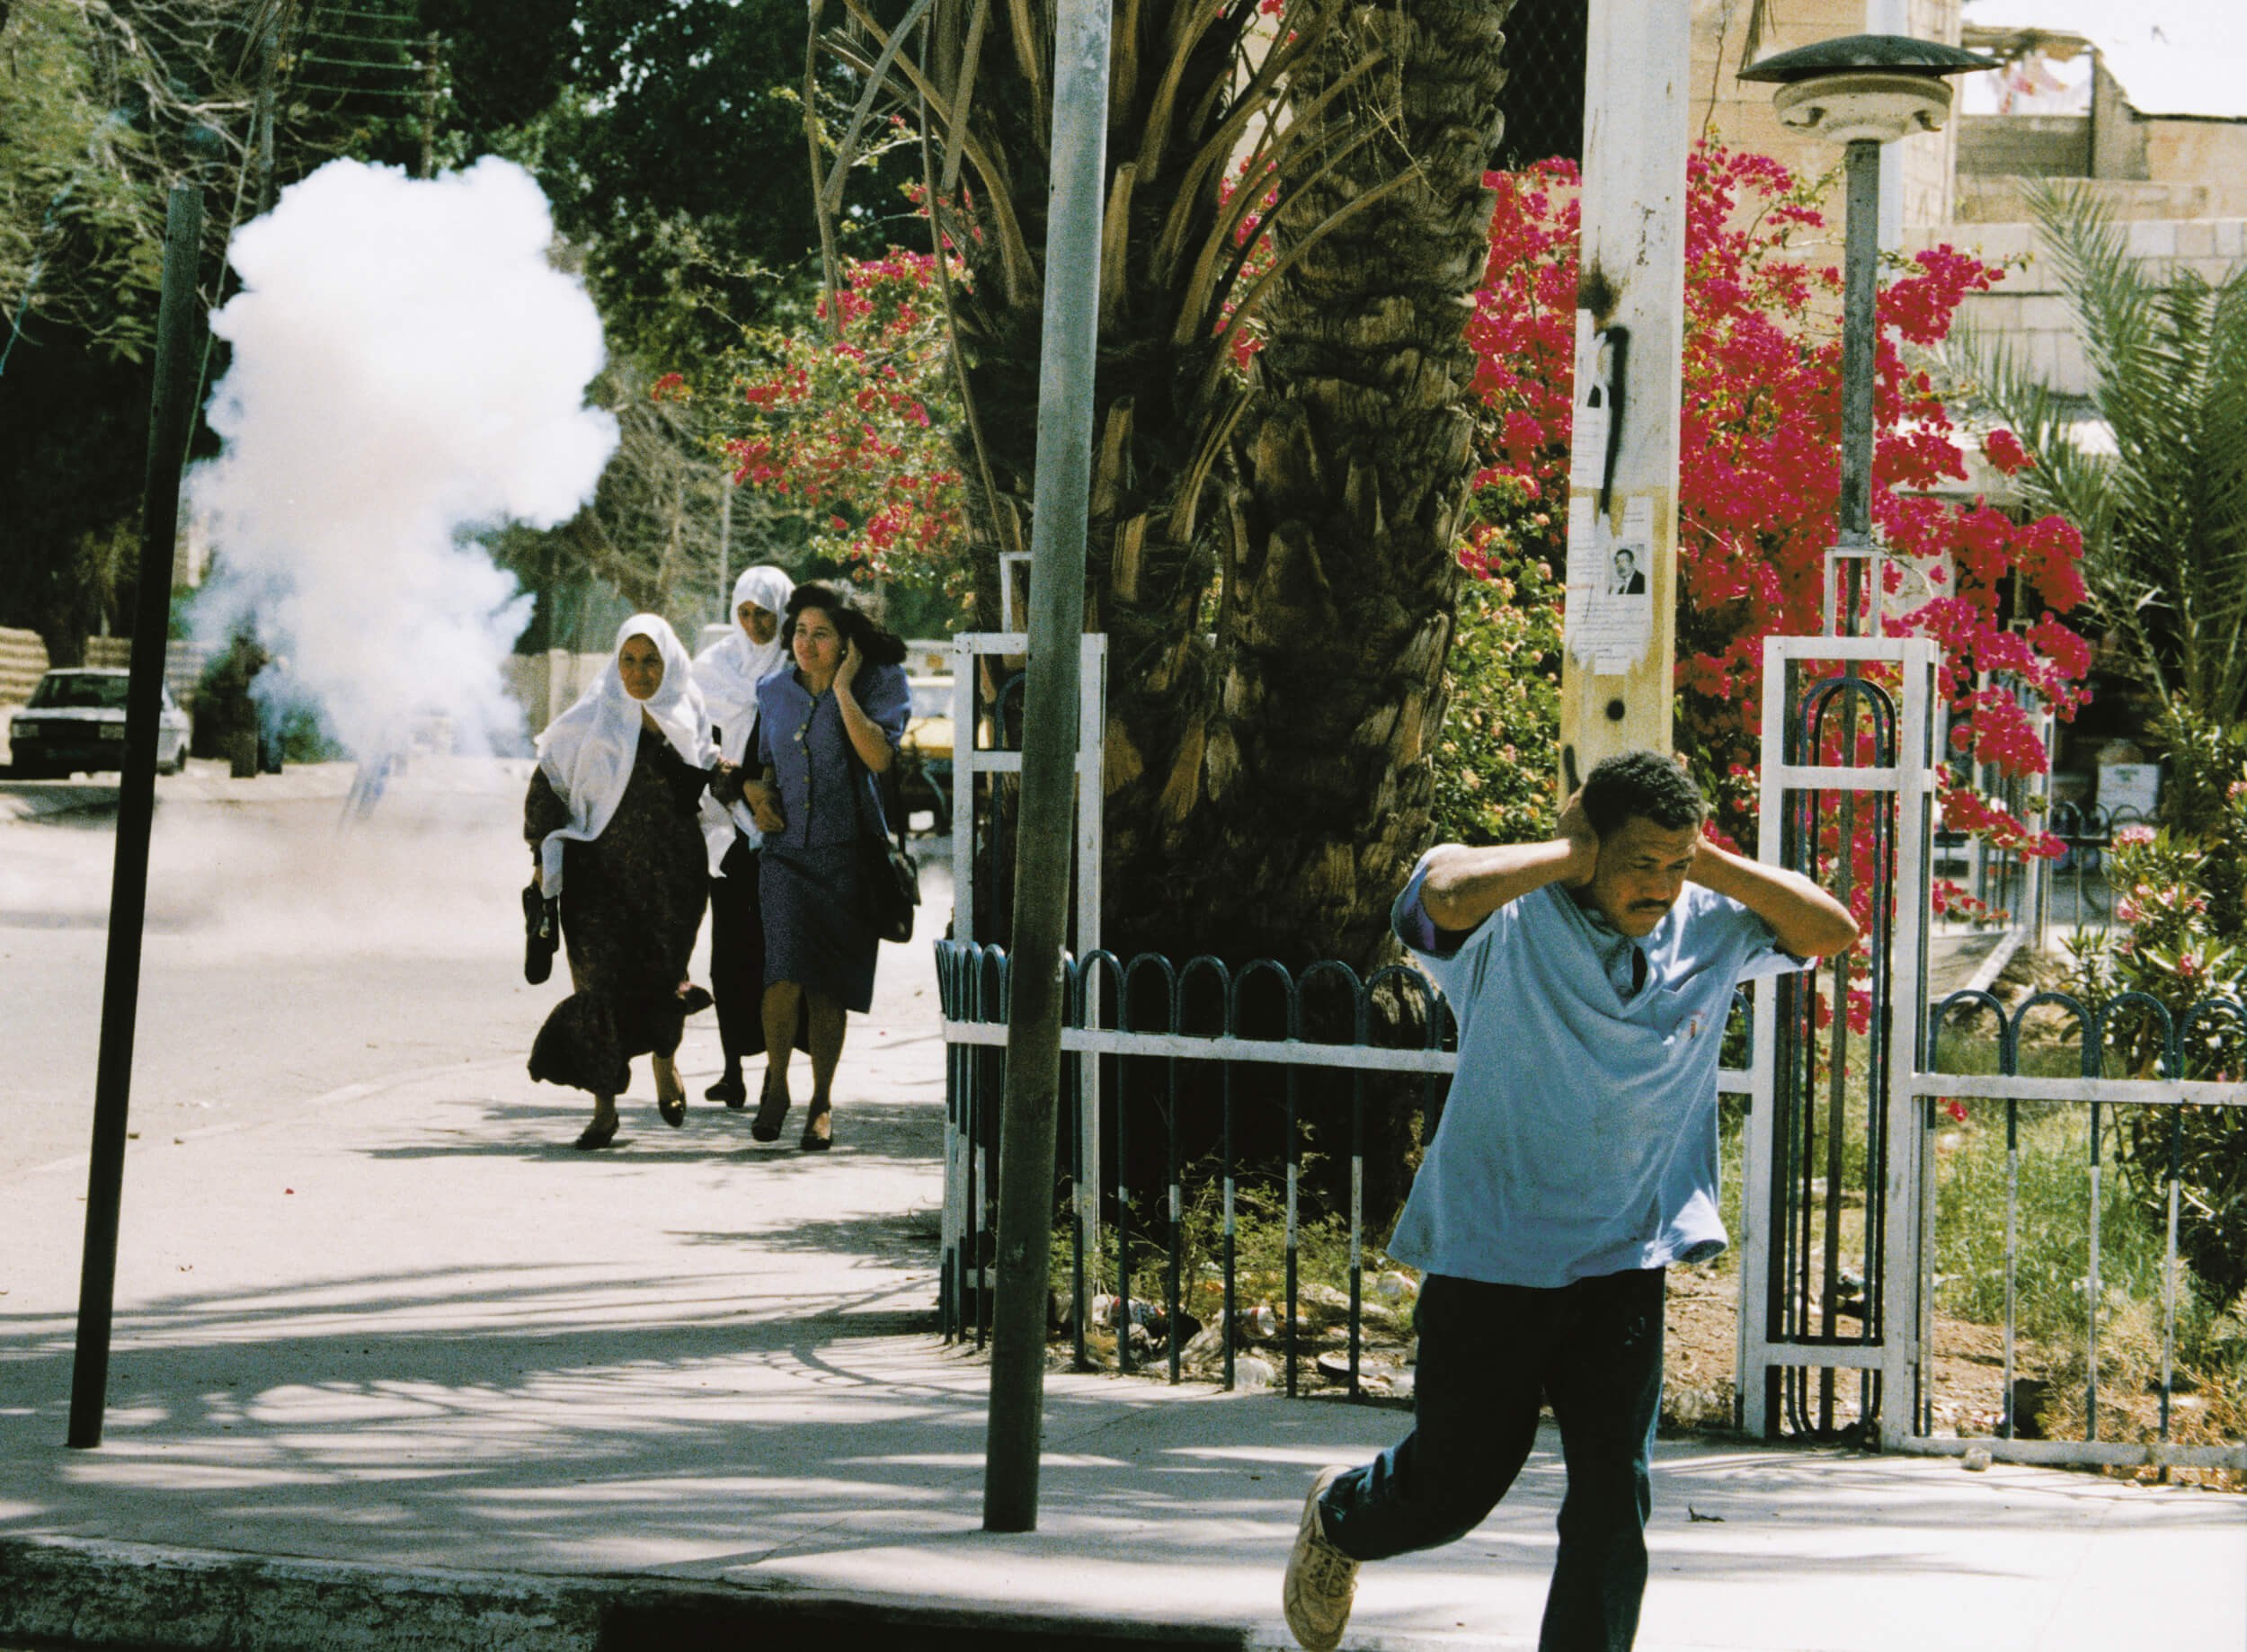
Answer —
727 672
627 834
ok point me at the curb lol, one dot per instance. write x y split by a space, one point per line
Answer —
87 1592
2002 954
51 801
92 1594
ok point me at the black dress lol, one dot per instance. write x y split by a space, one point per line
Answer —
632 901
737 954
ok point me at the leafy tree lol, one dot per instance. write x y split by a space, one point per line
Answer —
671 140
1271 550
102 108
73 443
671 144
2164 516
76 229
856 430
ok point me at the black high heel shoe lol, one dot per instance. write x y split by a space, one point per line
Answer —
672 1108
811 1140
771 1113
729 1089
597 1135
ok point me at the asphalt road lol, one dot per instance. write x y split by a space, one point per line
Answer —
286 957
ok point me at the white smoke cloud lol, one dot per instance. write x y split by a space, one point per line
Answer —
407 363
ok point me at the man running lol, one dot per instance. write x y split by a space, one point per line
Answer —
1592 976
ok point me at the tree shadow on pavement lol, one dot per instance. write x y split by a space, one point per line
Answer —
653 1423
900 1131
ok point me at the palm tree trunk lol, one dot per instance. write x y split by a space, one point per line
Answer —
1271 559
1295 794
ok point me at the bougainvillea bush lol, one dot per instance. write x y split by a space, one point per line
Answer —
1759 482
850 421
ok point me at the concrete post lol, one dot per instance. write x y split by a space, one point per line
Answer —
1616 678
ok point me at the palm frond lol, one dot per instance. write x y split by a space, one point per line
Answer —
2164 520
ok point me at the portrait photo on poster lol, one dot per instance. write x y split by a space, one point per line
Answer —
1609 617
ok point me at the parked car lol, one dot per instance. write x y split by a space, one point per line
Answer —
75 722
924 753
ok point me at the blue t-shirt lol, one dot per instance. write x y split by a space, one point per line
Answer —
1580 1138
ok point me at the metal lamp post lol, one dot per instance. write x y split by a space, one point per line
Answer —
1862 92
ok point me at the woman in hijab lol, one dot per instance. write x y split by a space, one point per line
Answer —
824 729
727 672
627 836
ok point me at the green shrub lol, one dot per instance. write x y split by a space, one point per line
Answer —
2053 1256
2183 890
1497 759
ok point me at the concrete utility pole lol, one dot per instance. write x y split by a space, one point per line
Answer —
1061 490
1622 630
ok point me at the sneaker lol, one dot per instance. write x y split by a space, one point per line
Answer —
1321 1580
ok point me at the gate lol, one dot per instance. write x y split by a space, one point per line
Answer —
1841 1195
1832 1276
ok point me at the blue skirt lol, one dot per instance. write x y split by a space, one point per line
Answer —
814 934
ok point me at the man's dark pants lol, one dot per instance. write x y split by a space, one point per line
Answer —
1488 1354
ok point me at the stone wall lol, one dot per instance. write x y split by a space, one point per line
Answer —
2036 145
22 657
2028 310
545 685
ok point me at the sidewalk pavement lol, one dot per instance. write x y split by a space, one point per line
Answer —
405 1369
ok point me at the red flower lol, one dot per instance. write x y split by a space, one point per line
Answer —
2003 449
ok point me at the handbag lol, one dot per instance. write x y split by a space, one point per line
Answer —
540 933
889 879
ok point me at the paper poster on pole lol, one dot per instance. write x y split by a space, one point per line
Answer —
1611 589
1589 426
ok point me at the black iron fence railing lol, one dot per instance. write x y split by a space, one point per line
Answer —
1273 1066
2076 892
1276 1054
2121 1085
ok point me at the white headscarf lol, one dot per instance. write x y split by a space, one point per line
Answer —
587 752
728 671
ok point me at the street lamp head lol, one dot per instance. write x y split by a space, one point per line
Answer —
1865 87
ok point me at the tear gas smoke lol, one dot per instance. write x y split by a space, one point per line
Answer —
406 365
